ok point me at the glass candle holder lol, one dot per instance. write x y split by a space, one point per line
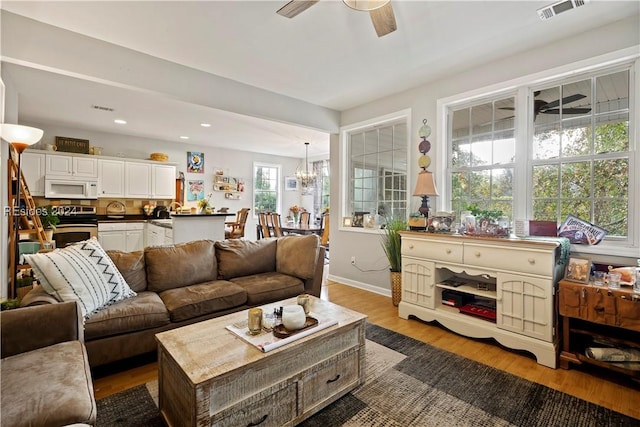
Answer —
255 321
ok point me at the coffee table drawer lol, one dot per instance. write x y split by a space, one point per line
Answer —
325 380
274 410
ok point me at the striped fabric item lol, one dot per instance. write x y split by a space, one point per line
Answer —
81 272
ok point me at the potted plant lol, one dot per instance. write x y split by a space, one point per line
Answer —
391 246
49 219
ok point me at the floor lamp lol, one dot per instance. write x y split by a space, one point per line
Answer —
20 137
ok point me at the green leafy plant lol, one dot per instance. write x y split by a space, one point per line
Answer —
48 217
491 215
391 242
9 304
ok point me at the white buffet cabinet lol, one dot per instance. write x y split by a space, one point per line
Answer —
520 276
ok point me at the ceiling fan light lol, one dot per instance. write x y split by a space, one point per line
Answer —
366 5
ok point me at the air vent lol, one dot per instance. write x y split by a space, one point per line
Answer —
101 108
552 10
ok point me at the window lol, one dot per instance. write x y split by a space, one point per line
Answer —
377 169
573 156
266 189
483 156
322 187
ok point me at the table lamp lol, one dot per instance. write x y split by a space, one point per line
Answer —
425 187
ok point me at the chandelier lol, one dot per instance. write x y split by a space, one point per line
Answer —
306 178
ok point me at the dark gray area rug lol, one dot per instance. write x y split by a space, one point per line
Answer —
410 383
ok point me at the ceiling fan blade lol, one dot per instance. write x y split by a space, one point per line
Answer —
566 100
384 20
295 7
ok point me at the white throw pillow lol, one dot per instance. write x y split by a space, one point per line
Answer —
81 272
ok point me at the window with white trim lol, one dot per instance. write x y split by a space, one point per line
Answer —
577 148
266 188
377 169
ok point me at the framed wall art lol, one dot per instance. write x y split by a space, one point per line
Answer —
578 269
290 183
195 190
195 162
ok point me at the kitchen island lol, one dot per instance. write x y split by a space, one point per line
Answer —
189 227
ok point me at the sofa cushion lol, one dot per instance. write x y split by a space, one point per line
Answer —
81 272
201 299
268 287
131 266
50 386
243 257
144 311
297 255
184 264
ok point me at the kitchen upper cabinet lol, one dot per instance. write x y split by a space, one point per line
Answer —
137 180
110 178
163 182
33 167
71 166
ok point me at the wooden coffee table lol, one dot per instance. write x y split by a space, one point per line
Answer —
209 376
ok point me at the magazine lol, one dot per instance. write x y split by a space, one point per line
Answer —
266 341
581 231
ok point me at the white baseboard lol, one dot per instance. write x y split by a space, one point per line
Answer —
360 285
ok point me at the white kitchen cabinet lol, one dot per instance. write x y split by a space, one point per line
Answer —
137 180
155 235
62 165
444 274
121 236
33 167
110 178
163 181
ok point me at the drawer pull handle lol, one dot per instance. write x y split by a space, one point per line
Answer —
477 254
531 260
334 379
257 423
410 246
448 251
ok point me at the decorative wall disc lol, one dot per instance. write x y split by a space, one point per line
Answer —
425 130
424 161
424 146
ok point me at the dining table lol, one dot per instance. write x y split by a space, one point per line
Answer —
289 228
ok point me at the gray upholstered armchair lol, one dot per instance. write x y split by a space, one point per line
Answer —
45 371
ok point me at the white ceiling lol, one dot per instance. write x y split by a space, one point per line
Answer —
329 56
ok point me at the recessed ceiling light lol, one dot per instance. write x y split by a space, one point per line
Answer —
120 121
205 125
184 137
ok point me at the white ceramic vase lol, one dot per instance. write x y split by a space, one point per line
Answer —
293 317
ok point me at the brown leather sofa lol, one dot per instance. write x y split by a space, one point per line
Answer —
46 380
181 284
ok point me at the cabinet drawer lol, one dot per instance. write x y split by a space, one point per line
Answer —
273 410
434 250
112 226
329 378
511 259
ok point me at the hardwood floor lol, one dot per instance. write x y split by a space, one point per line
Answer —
601 387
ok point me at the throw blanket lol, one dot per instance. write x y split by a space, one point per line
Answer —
613 354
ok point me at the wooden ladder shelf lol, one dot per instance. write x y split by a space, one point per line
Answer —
29 221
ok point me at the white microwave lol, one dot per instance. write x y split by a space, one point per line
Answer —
70 188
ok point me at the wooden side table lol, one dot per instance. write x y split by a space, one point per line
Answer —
597 316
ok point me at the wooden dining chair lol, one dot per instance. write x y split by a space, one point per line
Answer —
263 218
324 239
235 229
305 218
274 222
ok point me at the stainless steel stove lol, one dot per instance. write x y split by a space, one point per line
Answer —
77 223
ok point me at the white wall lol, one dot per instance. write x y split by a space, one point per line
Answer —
423 102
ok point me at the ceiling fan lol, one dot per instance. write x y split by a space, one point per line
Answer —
541 106
381 12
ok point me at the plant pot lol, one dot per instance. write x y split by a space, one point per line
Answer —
49 233
396 287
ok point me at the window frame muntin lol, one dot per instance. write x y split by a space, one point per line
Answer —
279 185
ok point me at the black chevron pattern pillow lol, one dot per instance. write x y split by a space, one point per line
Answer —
81 272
